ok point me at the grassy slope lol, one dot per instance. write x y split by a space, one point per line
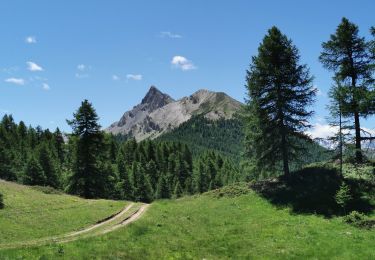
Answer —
31 214
207 227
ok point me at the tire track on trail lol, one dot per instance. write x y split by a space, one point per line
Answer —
115 222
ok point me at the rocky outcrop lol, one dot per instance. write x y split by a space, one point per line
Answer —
158 112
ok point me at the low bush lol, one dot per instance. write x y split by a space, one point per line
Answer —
231 191
359 220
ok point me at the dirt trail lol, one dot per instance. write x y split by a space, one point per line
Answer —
119 220
119 215
136 215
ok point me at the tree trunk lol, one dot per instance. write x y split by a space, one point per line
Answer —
358 149
341 139
285 155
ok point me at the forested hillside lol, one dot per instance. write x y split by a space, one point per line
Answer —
226 137
93 164
199 133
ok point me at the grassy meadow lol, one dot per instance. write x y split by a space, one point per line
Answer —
32 213
233 222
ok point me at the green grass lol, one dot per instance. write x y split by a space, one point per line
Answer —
30 213
219 225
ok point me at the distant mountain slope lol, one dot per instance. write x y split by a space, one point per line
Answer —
199 133
226 137
158 113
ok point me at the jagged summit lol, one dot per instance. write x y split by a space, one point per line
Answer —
158 112
155 98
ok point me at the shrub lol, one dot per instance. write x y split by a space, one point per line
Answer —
231 191
354 218
343 196
1 201
359 220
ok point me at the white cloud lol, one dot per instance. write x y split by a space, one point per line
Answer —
320 130
17 81
32 66
81 67
115 77
134 76
170 35
182 63
30 39
45 86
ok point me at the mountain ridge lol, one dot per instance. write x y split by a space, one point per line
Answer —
158 113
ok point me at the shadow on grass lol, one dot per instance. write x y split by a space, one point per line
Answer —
313 190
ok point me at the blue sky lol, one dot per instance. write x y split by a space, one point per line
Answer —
54 54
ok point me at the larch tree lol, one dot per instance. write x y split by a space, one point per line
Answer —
349 56
279 93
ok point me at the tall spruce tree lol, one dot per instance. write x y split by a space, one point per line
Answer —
143 190
34 174
162 189
348 56
49 166
279 92
125 186
87 179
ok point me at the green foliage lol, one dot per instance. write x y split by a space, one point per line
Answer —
231 191
199 133
359 220
34 174
90 169
343 196
280 91
348 56
143 189
177 191
19 144
162 189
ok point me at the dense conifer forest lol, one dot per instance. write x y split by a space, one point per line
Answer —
93 164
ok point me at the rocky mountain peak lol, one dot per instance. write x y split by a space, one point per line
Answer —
155 99
159 113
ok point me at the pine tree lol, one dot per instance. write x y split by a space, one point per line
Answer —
177 191
162 190
199 178
152 173
279 91
59 145
34 174
126 185
87 179
348 56
49 166
144 191
6 170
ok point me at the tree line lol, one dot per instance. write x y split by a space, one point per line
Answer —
280 95
94 164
